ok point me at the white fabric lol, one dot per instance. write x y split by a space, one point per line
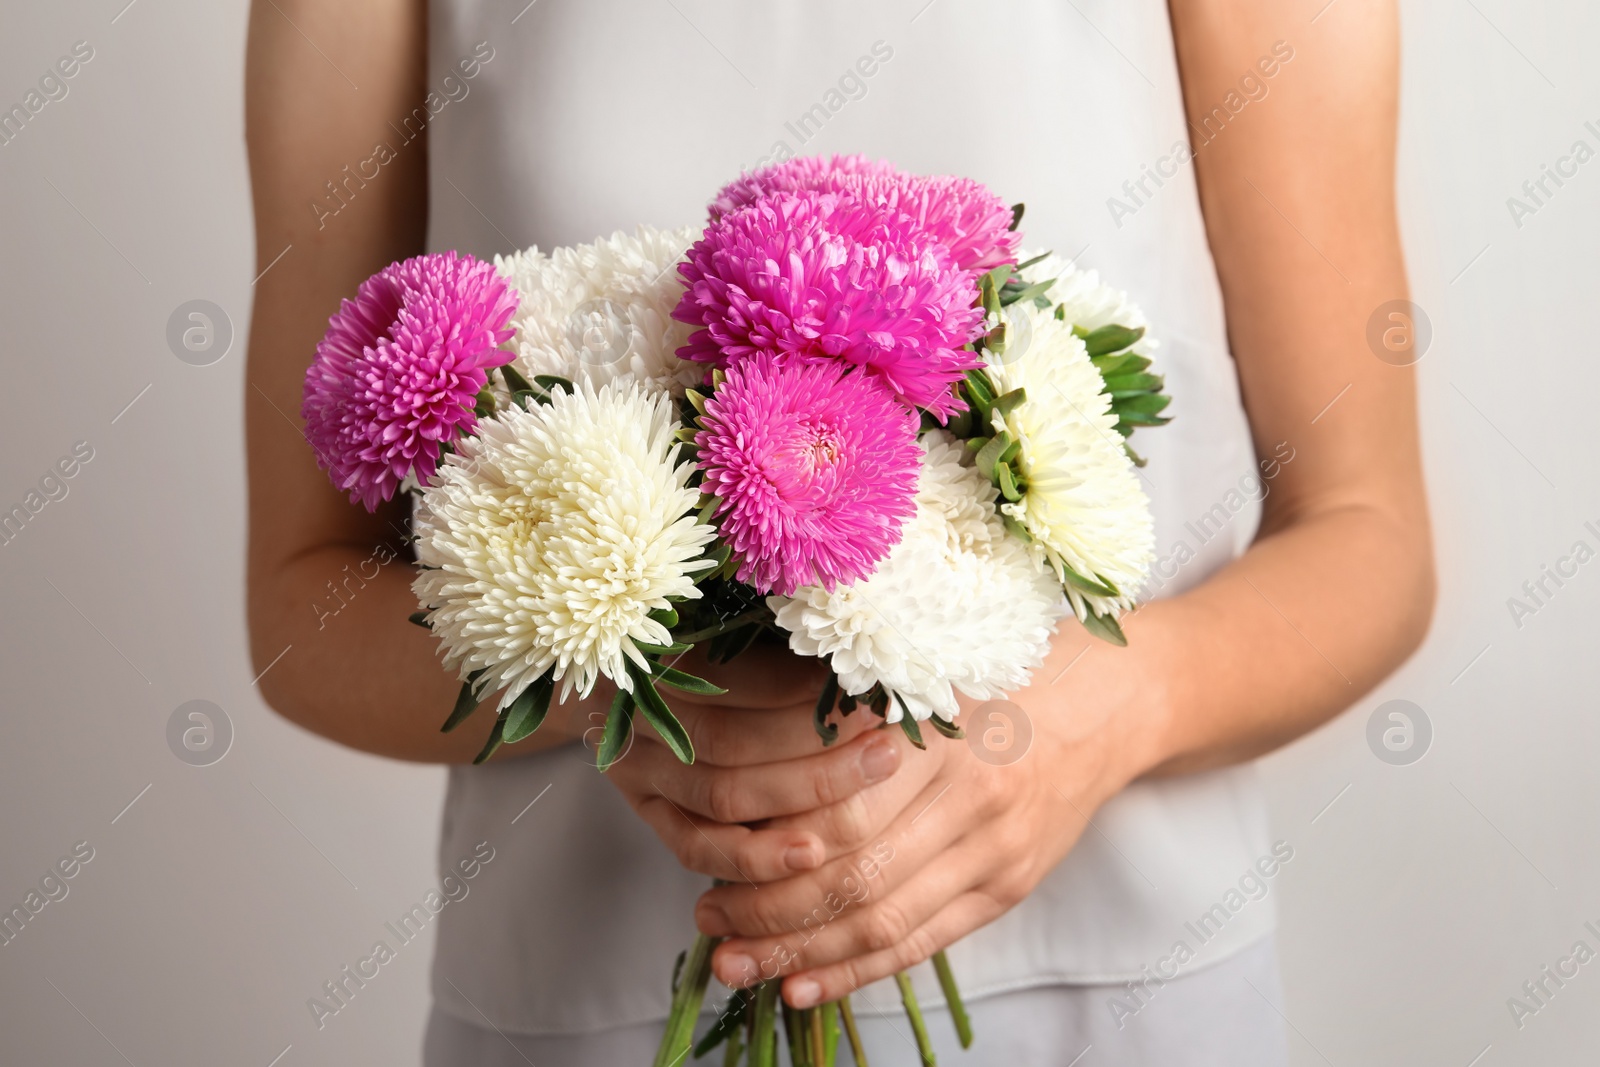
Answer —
1224 1016
595 116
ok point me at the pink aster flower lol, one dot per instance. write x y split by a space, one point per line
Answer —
820 277
398 372
959 213
816 468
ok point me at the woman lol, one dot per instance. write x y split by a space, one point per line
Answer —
1106 888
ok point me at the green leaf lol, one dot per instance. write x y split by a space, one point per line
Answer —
961 425
1016 215
1106 628
1087 585
1040 258
1017 529
667 617
466 702
659 716
496 736
1007 484
990 454
1136 418
1143 404
696 399
980 387
483 404
619 726
908 723
1006 404
661 650
830 696
1031 292
527 712
949 729
731 1019
1001 276
1107 339
1137 382
732 644
515 381
990 296
685 682
552 382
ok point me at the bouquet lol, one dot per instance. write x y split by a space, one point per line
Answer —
847 411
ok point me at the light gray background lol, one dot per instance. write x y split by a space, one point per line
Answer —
1419 899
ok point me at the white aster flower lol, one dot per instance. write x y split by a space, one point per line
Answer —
1089 303
553 533
1082 501
601 311
959 604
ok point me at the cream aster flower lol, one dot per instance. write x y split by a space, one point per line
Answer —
1082 501
602 311
551 536
1089 303
959 604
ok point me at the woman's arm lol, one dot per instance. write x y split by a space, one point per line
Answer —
1335 593
328 582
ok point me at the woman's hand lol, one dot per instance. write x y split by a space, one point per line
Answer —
948 845
764 798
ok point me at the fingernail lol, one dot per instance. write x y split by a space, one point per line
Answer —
879 760
802 992
801 857
736 970
713 921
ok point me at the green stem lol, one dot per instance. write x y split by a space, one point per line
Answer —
908 997
763 1032
794 1031
735 1048
952 998
695 637
819 1055
687 997
830 1033
848 1014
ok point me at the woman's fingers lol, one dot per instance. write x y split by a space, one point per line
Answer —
779 909
861 818
884 919
746 794
732 853
732 735
957 919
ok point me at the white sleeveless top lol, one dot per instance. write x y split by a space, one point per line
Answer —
590 116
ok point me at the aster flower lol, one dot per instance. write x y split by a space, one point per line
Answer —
601 311
814 468
817 277
793 175
1081 501
1086 301
964 216
398 373
958 605
549 538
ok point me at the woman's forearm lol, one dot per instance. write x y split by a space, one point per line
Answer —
1296 630
354 670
